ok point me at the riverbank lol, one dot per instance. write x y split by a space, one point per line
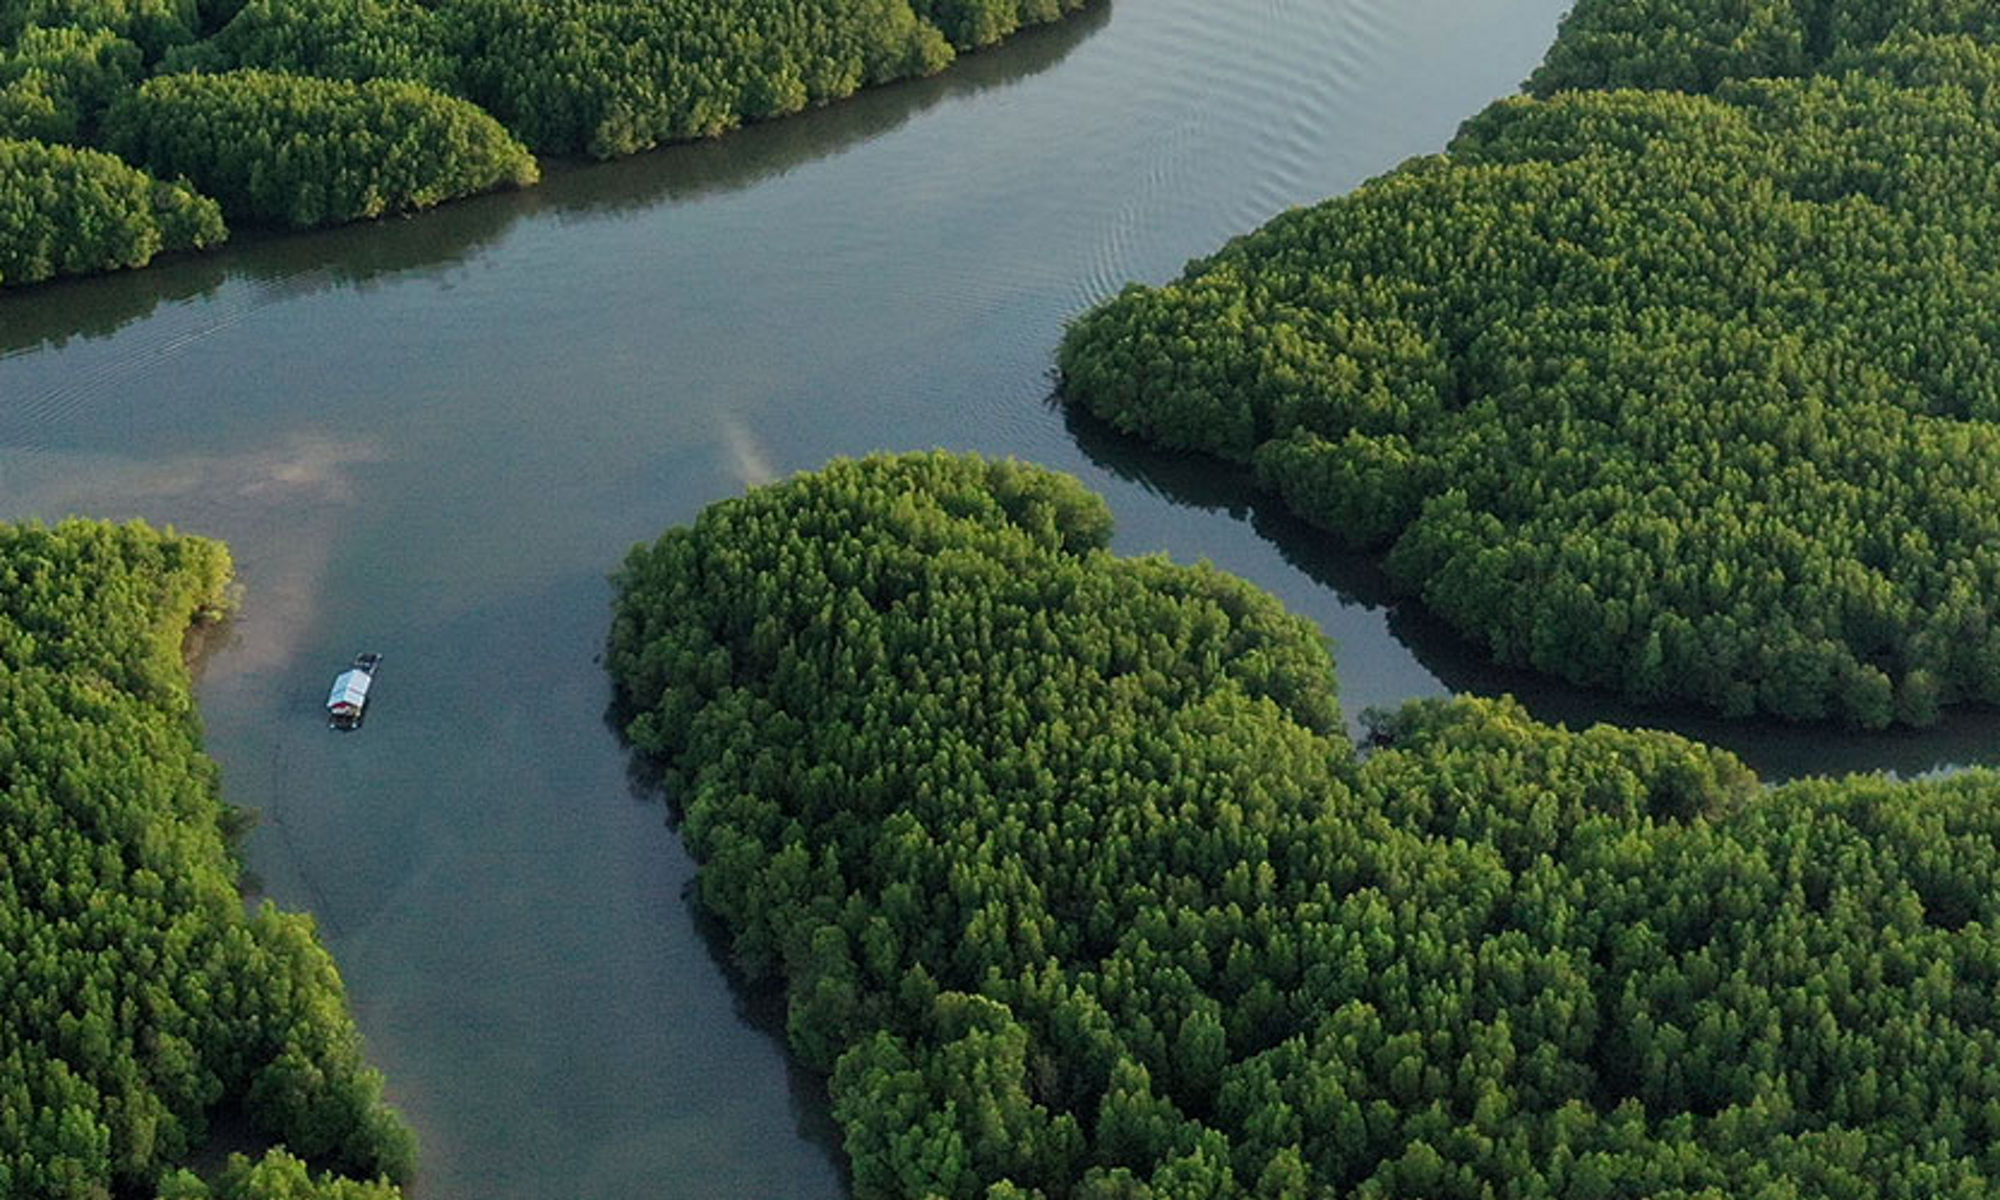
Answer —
141 996
1633 387
389 108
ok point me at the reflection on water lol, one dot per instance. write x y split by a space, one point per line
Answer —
762 1006
434 437
1196 481
290 265
51 314
1778 751
756 153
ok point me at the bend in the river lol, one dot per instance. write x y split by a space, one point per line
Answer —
434 437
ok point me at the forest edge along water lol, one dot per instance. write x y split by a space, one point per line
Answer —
442 432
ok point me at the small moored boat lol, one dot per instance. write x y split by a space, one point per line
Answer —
349 698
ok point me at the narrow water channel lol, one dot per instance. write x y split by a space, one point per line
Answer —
434 437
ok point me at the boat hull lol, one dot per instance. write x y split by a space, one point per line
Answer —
347 704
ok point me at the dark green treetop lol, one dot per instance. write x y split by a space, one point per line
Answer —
1687 396
136 995
1077 887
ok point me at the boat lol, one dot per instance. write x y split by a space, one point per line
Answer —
349 699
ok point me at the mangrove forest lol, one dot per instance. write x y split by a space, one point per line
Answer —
1076 886
1673 377
131 128
141 1002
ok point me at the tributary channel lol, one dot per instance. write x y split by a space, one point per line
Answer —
435 437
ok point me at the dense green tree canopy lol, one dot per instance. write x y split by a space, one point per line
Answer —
610 77
65 211
1076 886
154 25
1697 45
55 82
290 150
1687 396
331 39
278 1175
310 112
135 994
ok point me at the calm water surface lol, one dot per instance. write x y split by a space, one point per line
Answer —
434 437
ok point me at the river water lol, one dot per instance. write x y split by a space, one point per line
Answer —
434 437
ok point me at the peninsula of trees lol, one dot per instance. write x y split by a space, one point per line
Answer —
133 127
1077 888
137 999
1675 377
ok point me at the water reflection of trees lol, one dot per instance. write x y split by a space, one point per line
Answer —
354 256
52 313
1963 738
759 152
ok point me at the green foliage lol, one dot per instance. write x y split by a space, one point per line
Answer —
153 25
304 152
972 23
333 39
55 83
303 113
278 1175
1077 888
136 993
1697 45
1690 397
66 211
610 77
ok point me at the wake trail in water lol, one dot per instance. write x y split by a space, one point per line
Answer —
1270 98
1299 98
123 366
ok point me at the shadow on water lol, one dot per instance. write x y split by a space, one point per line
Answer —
273 265
50 314
760 1004
1195 481
1776 750
280 265
749 156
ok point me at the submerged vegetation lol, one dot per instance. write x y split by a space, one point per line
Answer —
1686 392
298 113
1077 888
138 997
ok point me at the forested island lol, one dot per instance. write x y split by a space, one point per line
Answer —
1673 377
1077 888
130 128
140 1001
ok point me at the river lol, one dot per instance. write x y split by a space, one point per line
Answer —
434 438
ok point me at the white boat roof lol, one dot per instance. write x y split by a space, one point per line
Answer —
349 687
